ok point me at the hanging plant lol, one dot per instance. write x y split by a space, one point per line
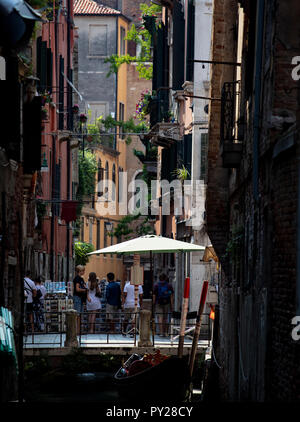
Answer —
44 114
83 118
46 98
143 106
75 109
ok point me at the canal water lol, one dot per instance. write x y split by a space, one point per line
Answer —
85 387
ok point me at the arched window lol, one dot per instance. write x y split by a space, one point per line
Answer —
100 178
114 182
120 185
106 179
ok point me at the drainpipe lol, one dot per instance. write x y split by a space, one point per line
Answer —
69 104
52 210
257 91
116 105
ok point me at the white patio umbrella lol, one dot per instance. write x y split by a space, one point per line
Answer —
149 243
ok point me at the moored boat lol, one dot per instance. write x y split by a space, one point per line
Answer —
167 380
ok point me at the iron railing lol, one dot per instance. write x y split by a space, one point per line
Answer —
50 329
230 119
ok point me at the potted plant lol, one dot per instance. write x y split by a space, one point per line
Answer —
44 113
143 106
75 109
83 118
46 98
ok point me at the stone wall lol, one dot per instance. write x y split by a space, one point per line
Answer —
258 289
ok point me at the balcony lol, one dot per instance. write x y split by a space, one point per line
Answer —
231 131
165 133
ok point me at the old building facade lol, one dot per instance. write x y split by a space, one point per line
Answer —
251 205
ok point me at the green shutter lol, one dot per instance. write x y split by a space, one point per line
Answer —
190 42
178 46
32 138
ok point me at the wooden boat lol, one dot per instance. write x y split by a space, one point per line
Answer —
168 380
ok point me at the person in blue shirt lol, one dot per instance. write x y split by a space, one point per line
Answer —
113 301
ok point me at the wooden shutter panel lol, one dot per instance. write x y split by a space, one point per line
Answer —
188 152
178 46
32 138
190 42
61 94
49 69
10 93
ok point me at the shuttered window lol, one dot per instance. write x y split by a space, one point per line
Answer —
190 42
178 46
61 93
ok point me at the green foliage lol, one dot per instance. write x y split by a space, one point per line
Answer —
87 169
125 229
181 173
36 366
106 126
81 251
141 36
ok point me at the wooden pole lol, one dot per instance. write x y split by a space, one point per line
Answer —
152 304
198 326
185 304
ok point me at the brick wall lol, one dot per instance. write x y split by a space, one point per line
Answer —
258 299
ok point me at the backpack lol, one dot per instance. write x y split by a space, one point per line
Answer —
163 293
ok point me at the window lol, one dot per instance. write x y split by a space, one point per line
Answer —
82 230
122 41
97 110
98 235
204 148
97 40
100 178
106 180
114 182
91 231
121 118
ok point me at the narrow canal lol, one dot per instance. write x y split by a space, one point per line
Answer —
79 378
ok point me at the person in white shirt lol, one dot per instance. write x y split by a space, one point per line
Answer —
38 308
128 304
29 293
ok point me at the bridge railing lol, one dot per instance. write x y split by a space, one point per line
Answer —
49 328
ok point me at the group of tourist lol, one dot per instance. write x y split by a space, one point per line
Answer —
90 293
94 293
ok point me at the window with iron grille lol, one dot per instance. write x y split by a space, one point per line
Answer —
230 112
100 178
121 118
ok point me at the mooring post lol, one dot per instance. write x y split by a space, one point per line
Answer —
145 318
71 329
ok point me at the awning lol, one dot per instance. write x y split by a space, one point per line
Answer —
17 20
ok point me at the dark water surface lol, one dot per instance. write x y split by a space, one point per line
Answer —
85 387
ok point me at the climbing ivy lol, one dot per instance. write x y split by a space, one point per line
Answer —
87 168
104 127
125 229
141 35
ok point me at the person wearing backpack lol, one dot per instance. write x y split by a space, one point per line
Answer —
163 295
38 304
29 294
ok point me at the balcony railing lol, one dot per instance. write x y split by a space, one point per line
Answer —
231 125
